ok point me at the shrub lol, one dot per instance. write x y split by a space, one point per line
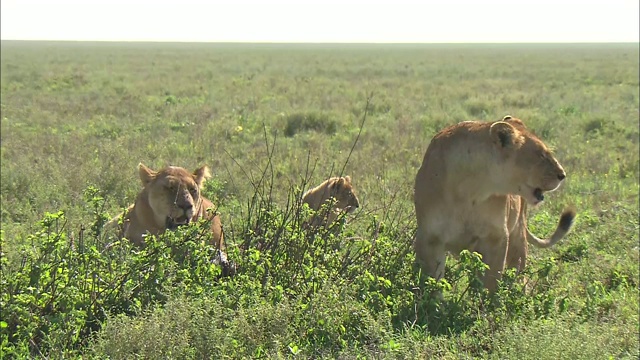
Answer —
299 122
64 287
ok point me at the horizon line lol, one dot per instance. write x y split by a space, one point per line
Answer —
327 42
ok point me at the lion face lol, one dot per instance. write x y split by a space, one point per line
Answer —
343 192
174 193
532 168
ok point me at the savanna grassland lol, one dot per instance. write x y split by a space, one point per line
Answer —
270 121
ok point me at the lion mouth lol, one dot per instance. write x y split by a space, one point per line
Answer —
350 209
538 195
533 196
173 224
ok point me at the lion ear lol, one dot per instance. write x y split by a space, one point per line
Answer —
347 179
336 183
505 135
201 174
146 174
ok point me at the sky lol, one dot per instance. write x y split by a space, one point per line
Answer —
329 21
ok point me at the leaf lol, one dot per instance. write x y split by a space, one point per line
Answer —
293 348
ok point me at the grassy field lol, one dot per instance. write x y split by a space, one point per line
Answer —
271 120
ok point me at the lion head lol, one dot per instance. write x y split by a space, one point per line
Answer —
341 189
173 193
530 167
337 190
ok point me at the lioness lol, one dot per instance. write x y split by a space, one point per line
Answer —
472 191
169 198
338 188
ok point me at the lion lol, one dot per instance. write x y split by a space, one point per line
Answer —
170 197
472 192
336 189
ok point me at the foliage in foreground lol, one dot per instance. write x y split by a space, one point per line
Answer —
297 293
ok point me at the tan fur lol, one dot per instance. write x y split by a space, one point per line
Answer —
472 190
338 188
169 197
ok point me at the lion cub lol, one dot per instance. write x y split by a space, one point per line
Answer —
170 197
472 192
338 189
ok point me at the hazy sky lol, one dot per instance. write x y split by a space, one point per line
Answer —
323 21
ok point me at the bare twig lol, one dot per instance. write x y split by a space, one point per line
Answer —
364 118
247 175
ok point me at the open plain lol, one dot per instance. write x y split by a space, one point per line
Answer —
272 120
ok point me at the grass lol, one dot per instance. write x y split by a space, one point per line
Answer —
77 118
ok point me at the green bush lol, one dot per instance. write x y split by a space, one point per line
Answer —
299 122
297 291
65 287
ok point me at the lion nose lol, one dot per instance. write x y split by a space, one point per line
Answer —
561 176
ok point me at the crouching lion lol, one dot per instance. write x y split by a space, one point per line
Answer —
472 192
337 189
169 198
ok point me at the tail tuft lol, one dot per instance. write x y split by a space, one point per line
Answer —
567 218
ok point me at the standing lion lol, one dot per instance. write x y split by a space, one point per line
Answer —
472 192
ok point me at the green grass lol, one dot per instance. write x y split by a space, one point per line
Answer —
78 116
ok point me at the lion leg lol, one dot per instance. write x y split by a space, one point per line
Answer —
493 254
517 253
431 256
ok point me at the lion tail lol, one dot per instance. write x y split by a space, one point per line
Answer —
564 226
